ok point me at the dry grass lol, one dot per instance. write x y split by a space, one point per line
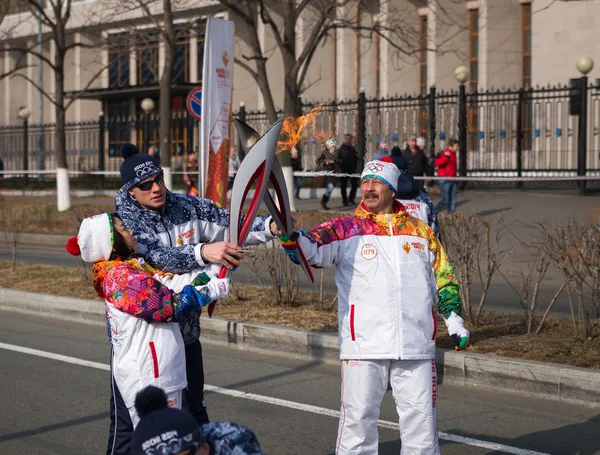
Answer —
499 334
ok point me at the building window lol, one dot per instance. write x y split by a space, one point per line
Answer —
526 9
118 63
473 113
117 126
423 86
200 33
22 6
181 59
147 59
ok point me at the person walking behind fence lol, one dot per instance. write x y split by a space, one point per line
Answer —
296 158
152 152
234 165
190 174
326 162
418 163
392 274
446 164
348 163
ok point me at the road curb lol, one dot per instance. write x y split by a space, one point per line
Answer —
525 377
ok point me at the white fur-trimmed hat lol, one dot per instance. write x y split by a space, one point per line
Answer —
95 239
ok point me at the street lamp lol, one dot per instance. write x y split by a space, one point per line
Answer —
462 76
24 114
585 65
147 106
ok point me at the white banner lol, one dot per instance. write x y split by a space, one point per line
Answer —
217 93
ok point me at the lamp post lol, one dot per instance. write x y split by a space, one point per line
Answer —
147 106
24 114
462 75
584 66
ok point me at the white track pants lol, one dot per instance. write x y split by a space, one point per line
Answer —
414 386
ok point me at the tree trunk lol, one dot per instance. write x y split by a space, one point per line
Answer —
60 136
164 129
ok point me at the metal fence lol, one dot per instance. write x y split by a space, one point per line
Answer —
506 133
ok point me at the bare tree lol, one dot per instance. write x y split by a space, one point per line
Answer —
462 238
55 20
491 258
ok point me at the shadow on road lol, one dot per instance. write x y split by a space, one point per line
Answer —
575 439
54 427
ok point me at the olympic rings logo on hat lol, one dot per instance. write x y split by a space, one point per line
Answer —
146 170
375 167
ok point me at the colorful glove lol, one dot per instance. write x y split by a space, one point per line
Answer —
456 329
218 288
290 246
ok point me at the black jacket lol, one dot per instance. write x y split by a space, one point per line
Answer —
418 164
348 159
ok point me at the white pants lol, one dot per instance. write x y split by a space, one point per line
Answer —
173 401
414 386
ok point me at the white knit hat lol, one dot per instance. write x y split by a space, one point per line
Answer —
383 169
96 238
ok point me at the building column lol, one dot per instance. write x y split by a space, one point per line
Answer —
104 75
31 67
194 57
431 13
132 64
384 54
345 56
161 57
7 67
77 78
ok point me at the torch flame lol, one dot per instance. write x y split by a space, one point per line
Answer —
291 131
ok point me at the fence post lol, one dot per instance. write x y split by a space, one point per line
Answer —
242 118
101 166
462 132
582 133
520 138
432 125
26 151
362 127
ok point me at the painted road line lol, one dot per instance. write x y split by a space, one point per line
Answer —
278 402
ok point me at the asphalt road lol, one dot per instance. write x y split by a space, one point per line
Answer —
60 406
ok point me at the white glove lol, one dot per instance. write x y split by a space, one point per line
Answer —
456 329
218 288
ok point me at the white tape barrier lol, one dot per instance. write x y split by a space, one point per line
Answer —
557 177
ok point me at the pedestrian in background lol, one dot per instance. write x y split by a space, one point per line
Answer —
234 165
446 164
326 162
418 163
348 163
296 155
153 152
382 150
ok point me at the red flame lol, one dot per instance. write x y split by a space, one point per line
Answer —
291 131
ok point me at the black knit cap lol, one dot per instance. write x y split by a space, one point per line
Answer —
162 430
137 167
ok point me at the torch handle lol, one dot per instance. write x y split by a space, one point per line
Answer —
223 272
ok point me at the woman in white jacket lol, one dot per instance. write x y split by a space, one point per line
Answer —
142 308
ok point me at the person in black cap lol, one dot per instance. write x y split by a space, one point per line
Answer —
166 431
179 233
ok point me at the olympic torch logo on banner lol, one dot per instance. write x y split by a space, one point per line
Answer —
217 92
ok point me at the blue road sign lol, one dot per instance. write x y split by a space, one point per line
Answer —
194 103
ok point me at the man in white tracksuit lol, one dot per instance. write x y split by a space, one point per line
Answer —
390 271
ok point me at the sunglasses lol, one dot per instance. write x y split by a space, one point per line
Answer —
147 186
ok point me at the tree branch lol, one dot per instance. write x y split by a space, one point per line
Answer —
34 6
233 6
25 51
245 66
267 19
85 89
38 88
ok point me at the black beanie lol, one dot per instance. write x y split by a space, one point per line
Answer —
137 167
162 429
